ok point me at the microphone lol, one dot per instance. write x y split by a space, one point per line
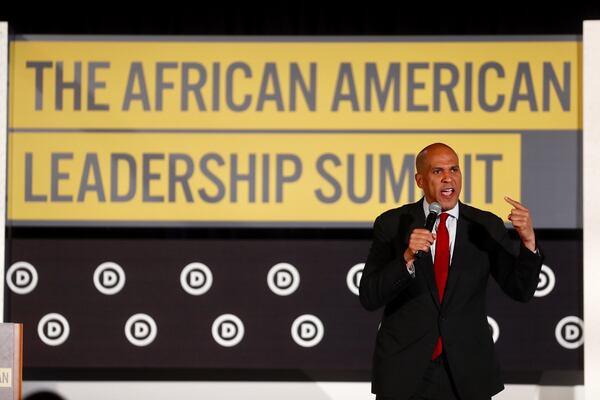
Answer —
435 209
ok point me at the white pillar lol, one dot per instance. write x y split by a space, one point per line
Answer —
3 147
591 207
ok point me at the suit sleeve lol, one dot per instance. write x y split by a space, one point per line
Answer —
385 274
517 275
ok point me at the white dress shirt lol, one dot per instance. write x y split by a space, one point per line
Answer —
451 222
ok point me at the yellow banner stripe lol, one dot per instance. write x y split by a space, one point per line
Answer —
242 177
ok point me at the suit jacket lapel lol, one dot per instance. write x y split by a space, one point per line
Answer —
425 263
460 249
427 266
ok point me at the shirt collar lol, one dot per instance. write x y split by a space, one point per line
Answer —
453 211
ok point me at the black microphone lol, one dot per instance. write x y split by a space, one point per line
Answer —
435 209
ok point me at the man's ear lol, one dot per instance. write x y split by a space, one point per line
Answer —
419 180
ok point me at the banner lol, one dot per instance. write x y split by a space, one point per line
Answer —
238 177
306 132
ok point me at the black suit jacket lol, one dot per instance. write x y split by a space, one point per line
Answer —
413 317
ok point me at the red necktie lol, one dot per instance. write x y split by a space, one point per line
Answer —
440 265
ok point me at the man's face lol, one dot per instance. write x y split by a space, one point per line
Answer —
440 179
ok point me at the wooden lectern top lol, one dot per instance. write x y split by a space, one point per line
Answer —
11 360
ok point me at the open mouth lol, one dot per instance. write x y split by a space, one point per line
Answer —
449 192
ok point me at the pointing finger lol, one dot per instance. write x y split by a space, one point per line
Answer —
514 203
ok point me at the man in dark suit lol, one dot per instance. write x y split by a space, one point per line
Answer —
434 341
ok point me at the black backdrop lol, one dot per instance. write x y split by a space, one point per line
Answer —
184 348
397 18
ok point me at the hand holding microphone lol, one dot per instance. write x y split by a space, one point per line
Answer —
421 239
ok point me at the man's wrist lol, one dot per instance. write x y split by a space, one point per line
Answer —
410 267
531 246
409 257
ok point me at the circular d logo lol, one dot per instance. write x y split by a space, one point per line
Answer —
494 328
53 329
353 277
546 282
228 330
140 329
307 330
569 332
21 277
196 278
109 278
283 279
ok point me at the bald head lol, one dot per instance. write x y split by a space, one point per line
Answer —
438 175
423 159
